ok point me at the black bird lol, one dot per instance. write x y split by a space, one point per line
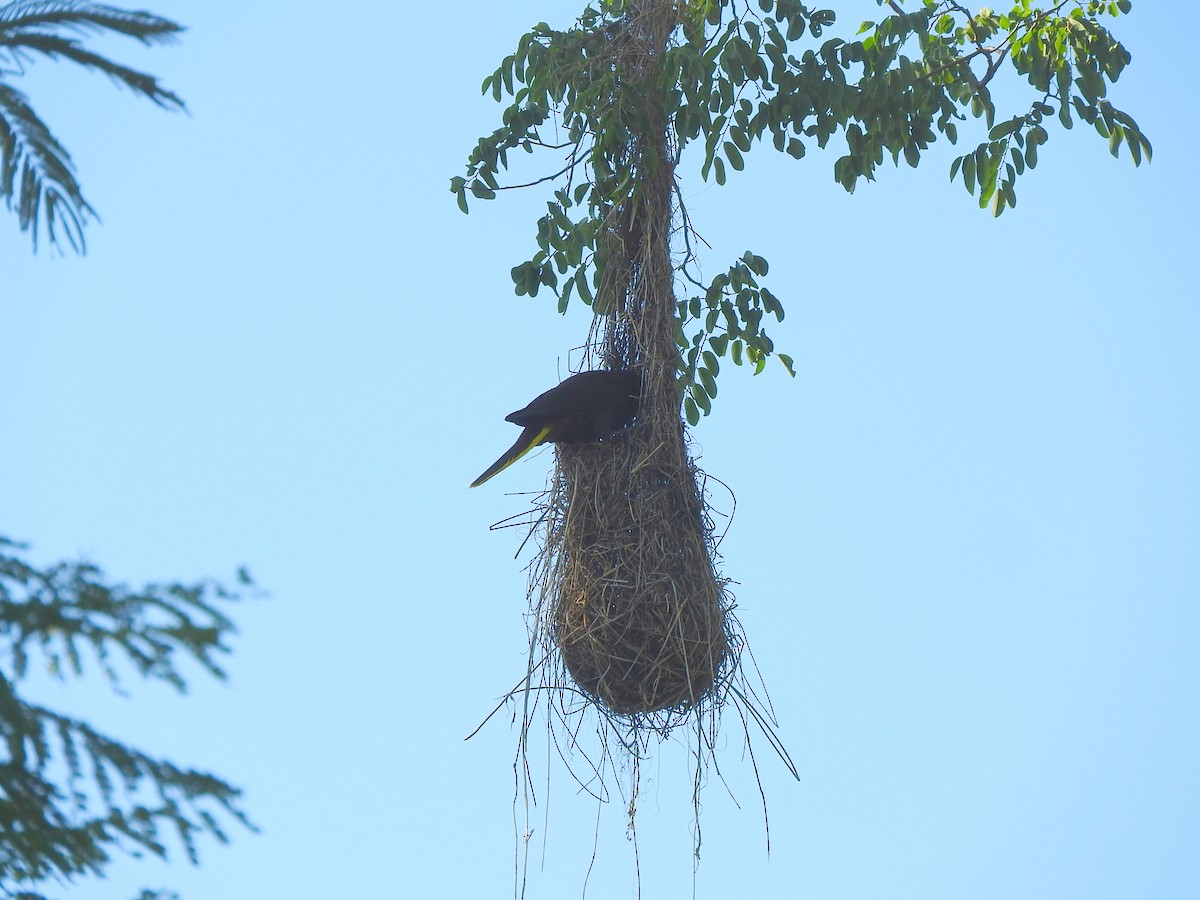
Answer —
589 406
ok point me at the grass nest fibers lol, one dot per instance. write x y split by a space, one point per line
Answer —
638 614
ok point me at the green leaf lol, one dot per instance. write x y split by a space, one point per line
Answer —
1018 161
506 73
771 304
565 296
583 285
734 156
482 191
1114 142
1004 129
845 174
755 264
740 139
519 278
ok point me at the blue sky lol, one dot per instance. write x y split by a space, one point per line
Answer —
966 535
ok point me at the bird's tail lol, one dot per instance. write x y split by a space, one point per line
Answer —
529 439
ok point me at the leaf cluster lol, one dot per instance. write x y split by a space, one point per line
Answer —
70 795
726 320
734 73
900 84
37 176
1071 60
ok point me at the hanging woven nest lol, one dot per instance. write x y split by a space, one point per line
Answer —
638 618
636 610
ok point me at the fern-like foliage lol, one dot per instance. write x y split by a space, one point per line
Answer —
70 795
37 176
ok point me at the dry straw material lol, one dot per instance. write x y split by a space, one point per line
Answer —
638 615
627 595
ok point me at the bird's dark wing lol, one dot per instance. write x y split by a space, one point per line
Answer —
530 438
590 406
613 393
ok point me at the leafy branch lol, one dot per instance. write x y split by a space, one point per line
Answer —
37 176
112 797
735 73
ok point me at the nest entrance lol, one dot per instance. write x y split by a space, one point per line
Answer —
638 616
